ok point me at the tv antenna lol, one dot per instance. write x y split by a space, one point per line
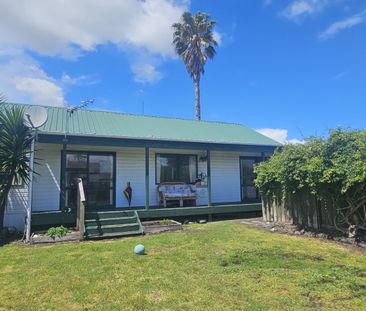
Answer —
69 112
34 118
83 104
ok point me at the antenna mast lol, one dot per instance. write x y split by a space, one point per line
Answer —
69 112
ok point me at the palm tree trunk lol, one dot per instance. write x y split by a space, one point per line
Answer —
198 100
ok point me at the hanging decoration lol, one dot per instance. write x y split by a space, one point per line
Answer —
128 193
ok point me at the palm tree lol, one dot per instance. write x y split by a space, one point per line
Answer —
15 143
194 42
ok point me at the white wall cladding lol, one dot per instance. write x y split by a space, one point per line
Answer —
130 167
46 187
225 177
15 211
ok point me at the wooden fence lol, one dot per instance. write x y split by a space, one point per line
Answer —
302 209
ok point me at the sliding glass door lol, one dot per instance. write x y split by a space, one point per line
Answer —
249 192
97 170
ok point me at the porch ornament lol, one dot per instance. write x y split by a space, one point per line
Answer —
139 249
128 193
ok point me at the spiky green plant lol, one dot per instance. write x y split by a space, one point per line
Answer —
194 42
15 143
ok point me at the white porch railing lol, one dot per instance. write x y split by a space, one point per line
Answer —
80 209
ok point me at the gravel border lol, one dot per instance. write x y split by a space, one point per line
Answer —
44 239
155 227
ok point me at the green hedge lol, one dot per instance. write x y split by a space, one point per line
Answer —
331 169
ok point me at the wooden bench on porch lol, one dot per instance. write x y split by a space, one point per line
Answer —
176 191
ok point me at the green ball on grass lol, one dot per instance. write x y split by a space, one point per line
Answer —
139 249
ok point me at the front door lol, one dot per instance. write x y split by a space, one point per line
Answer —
97 170
249 192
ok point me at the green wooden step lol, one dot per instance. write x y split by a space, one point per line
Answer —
119 228
110 221
99 224
108 214
114 234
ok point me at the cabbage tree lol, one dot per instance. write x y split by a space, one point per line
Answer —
15 143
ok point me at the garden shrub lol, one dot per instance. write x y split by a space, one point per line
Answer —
54 232
332 169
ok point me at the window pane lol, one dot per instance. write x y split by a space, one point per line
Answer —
76 160
187 169
100 186
97 173
71 178
173 168
101 170
71 186
168 168
71 197
100 196
183 169
248 176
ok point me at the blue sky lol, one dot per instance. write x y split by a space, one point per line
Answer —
290 68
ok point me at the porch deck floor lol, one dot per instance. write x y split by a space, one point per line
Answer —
158 212
154 212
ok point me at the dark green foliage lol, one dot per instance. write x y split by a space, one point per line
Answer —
54 232
194 42
15 143
333 170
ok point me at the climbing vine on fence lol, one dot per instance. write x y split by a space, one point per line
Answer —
333 169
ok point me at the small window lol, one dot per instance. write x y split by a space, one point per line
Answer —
176 168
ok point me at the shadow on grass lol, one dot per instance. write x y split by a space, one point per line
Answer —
8 238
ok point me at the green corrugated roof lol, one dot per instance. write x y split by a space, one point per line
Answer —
122 125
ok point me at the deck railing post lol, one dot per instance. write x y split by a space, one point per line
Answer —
209 196
147 190
80 209
77 208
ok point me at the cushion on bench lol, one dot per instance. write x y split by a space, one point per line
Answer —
177 190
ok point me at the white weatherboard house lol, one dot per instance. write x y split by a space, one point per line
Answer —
199 167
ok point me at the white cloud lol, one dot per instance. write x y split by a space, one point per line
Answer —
347 23
301 8
341 75
267 2
146 73
79 80
22 80
42 91
67 27
295 141
280 135
218 37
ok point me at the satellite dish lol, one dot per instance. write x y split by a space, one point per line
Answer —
35 116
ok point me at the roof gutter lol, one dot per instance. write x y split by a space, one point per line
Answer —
152 139
140 143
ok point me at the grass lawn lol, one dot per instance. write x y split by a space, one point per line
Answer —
217 266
